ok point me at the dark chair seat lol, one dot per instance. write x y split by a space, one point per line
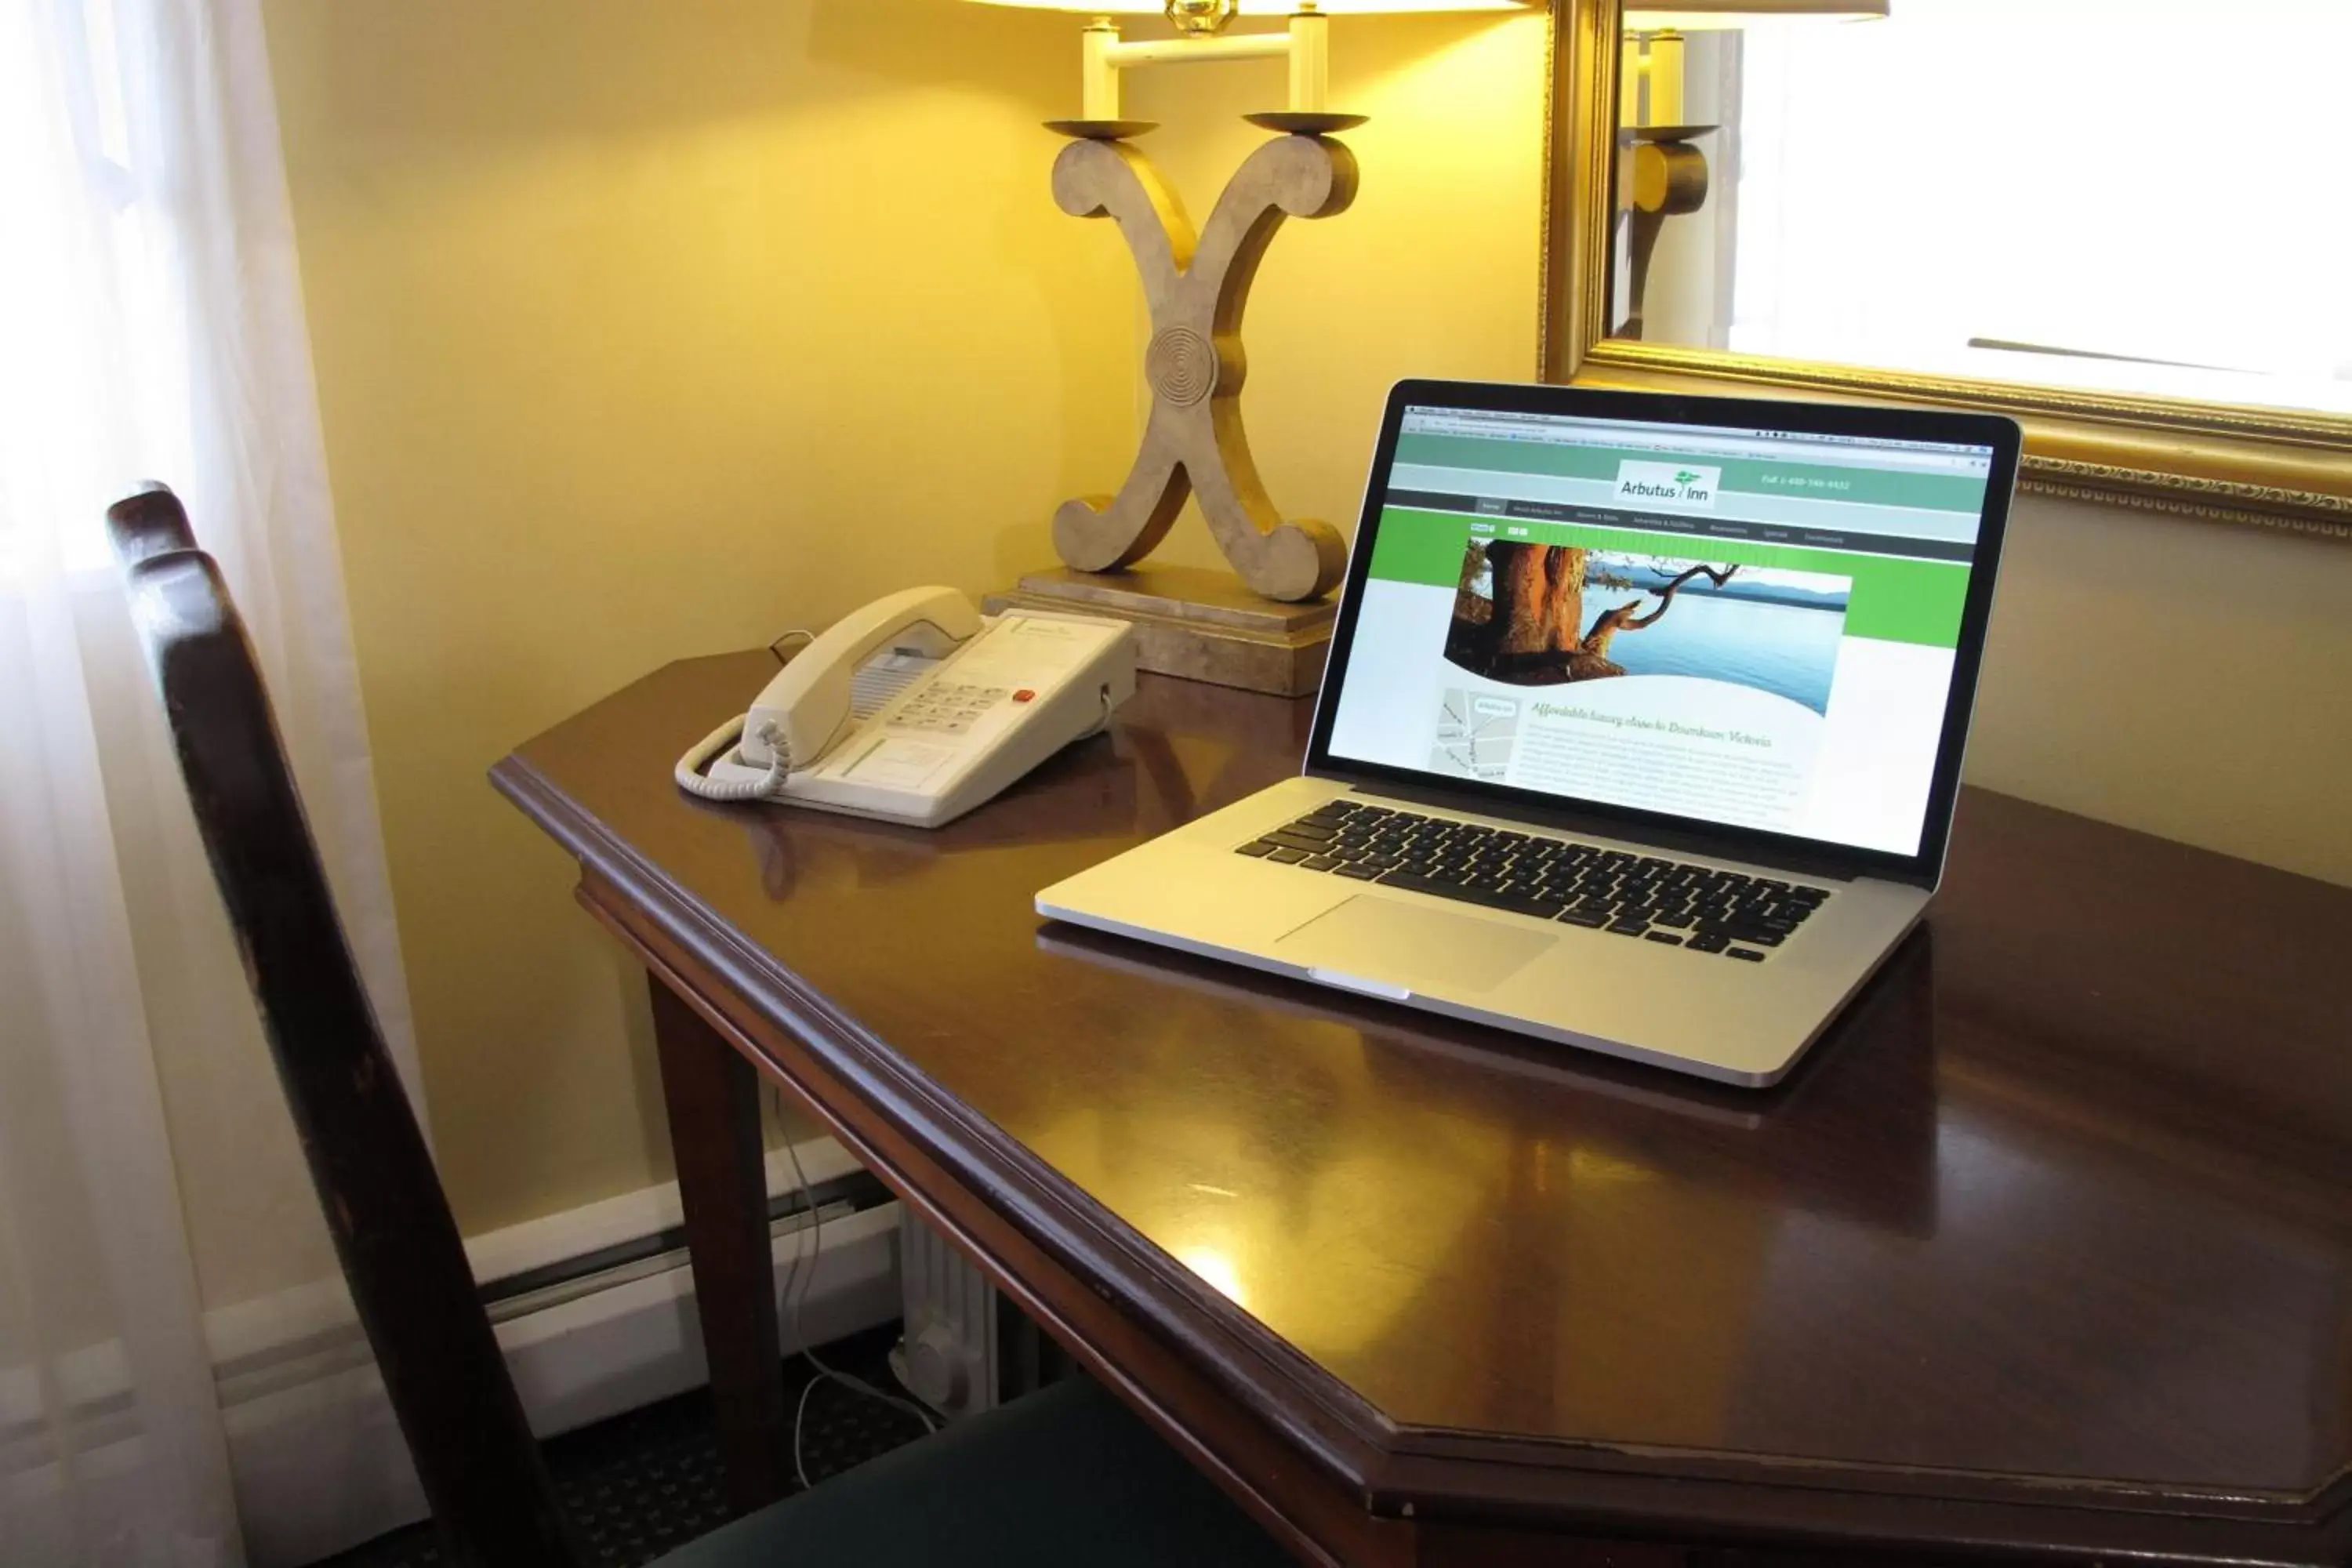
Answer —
1065 1477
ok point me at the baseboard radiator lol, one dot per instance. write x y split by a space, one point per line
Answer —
594 1308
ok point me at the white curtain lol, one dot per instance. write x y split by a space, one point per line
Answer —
159 1240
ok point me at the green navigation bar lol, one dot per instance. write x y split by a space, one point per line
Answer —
1894 599
1750 476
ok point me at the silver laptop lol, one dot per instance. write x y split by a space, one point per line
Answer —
1641 730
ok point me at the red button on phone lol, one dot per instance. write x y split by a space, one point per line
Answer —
1025 695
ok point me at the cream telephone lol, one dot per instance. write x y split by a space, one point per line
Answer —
917 709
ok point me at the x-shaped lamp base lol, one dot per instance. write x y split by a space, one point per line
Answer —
1197 285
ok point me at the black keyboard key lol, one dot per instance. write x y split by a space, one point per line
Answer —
1523 903
1749 953
1669 938
1291 838
1588 919
1680 920
1706 941
1629 927
1262 847
1287 857
1486 898
1322 863
1361 873
1309 828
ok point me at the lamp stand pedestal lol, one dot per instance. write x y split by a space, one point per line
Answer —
1193 623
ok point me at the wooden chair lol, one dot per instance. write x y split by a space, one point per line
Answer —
1064 1476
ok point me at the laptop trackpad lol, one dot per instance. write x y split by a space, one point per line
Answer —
1381 940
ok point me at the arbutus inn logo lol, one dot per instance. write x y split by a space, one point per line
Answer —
1682 486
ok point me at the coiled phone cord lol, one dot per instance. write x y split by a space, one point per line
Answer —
714 745
691 778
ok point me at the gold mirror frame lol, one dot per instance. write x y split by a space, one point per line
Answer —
2279 468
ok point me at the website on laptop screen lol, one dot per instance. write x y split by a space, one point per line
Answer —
1739 626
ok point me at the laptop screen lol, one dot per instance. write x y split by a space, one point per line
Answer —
1732 625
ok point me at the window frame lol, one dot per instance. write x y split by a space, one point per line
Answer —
2276 468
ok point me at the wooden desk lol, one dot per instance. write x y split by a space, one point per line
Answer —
2046 1251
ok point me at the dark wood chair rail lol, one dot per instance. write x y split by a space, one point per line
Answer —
2046 1252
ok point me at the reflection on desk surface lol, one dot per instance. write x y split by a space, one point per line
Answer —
1410 1202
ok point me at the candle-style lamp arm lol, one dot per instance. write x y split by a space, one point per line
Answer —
1307 43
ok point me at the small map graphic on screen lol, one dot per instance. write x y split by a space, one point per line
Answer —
1476 732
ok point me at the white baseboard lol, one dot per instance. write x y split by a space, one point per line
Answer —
319 1459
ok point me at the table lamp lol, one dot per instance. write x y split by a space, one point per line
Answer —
1663 175
1268 632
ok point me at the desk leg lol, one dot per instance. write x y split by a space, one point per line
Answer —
713 1098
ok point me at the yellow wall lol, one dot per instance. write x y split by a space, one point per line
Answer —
645 331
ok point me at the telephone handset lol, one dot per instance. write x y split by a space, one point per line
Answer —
806 707
917 709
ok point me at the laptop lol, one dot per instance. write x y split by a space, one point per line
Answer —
1641 730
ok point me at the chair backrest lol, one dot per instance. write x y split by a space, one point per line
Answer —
400 1249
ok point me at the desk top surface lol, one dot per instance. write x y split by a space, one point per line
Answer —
2065 1197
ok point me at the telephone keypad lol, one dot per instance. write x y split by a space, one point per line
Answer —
948 708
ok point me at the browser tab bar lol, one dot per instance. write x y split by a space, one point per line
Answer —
1685 440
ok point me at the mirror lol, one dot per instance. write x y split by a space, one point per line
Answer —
2116 222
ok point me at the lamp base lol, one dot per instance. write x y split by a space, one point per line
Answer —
1192 623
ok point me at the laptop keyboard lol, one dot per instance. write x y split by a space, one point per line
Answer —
1647 897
